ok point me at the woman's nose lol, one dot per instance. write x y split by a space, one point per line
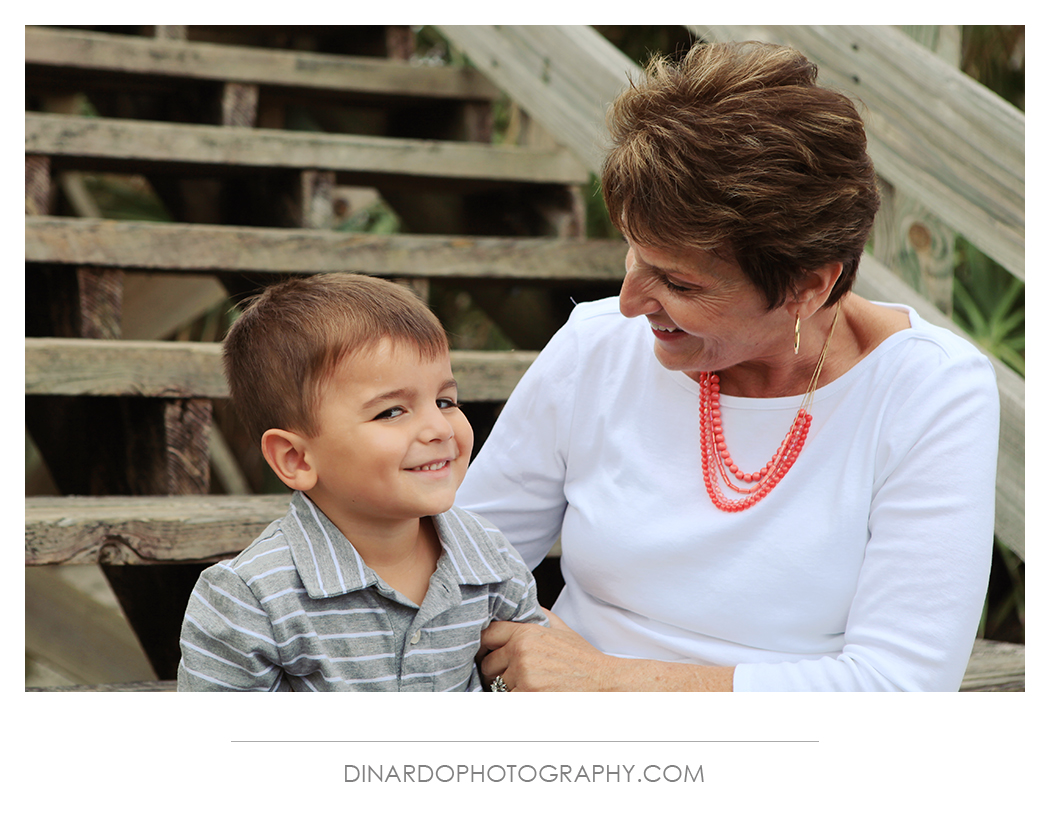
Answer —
634 300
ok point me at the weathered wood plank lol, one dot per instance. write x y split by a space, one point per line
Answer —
169 369
38 185
933 132
298 70
141 530
995 666
137 143
563 76
131 686
877 283
73 366
907 237
88 642
209 248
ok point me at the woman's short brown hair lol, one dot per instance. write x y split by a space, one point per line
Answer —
289 338
736 150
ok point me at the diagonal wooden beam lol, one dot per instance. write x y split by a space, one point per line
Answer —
563 76
934 132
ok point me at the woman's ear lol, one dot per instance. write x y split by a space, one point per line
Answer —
815 289
287 453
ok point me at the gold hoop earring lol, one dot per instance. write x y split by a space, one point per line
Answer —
798 332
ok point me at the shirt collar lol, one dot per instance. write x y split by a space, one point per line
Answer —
329 565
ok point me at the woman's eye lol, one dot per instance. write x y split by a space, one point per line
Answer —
671 285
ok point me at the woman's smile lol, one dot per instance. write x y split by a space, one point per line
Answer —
665 331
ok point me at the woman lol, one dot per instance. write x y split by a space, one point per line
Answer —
760 480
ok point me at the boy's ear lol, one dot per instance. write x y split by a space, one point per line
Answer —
286 453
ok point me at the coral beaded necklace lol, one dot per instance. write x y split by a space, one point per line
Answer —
714 454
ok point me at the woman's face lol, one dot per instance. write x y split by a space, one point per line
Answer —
704 313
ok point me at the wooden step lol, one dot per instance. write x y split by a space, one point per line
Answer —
131 686
208 248
114 59
130 146
181 369
144 530
994 667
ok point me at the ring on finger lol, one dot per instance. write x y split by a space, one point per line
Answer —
498 684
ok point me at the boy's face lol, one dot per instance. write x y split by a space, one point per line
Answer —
393 444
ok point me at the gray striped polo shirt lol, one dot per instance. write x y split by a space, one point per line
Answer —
300 611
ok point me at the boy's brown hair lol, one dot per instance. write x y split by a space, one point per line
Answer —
289 338
736 150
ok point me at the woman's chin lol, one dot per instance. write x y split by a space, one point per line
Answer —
678 360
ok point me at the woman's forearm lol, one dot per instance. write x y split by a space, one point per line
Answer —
642 675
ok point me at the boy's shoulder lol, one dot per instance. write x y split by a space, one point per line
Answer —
271 545
283 555
269 553
477 548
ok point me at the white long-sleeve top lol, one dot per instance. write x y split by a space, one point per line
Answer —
864 569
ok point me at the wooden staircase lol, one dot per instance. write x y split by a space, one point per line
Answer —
132 430
256 140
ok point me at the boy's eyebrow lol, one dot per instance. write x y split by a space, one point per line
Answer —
396 394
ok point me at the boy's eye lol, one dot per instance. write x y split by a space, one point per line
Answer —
389 413
448 403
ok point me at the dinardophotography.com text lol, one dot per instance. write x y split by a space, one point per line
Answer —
521 773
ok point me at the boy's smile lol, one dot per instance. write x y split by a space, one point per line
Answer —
393 443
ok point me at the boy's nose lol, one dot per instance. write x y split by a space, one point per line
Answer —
437 427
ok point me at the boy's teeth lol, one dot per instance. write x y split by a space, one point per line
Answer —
435 466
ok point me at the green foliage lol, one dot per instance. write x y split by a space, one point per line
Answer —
1003 618
988 302
989 305
125 197
377 218
598 223
994 56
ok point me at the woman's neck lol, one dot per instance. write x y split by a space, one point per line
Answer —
784 373
861 327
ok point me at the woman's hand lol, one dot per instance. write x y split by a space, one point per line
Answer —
531 658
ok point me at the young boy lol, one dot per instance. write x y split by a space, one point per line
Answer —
373 581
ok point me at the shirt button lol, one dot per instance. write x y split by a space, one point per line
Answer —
415 638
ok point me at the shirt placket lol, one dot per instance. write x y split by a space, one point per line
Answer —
418 661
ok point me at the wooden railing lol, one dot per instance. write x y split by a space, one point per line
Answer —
933 131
